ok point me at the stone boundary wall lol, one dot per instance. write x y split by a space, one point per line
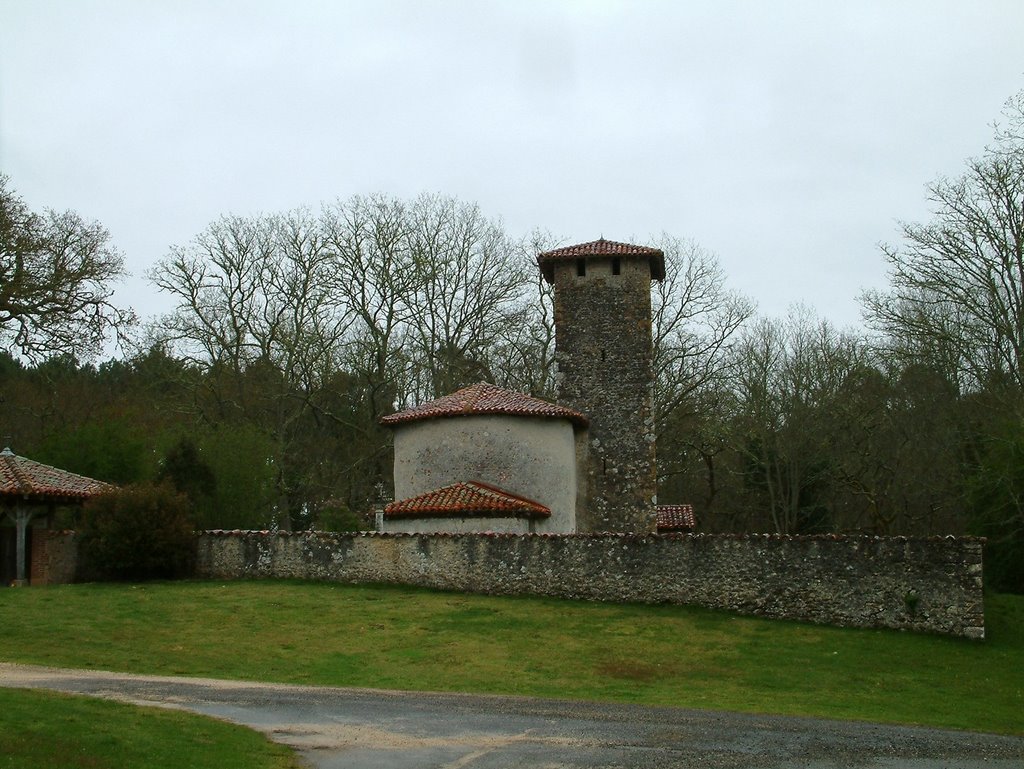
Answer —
927 584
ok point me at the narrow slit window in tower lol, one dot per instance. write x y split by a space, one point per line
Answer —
581 267
616 266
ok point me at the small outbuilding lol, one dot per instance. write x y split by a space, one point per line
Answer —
30 493
487 459
675 519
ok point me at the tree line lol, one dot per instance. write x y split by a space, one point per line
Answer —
259 395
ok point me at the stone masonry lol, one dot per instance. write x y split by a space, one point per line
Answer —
603 352
930 585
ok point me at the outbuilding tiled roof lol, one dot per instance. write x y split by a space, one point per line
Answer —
469 499
602 247
22 478
486 399
676 518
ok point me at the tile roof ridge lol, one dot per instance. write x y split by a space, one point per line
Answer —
478 390
504 492
22 482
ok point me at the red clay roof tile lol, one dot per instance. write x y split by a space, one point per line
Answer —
486 399
676 518
602 247
23 478
470 499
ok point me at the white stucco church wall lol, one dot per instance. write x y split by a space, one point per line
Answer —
439 525
532 457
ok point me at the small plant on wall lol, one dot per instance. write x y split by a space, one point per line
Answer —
911 601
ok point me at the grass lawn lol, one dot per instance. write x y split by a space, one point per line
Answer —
54 731
406 638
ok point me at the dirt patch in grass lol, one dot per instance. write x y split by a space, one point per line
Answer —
630 671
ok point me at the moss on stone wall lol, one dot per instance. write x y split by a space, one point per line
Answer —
930 585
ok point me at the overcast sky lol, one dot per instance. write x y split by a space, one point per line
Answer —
787 137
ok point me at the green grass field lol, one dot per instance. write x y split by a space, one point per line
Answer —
53 731
405 638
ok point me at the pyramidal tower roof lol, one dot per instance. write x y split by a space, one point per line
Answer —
485 399
546 260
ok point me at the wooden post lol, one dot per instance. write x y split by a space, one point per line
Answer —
22 518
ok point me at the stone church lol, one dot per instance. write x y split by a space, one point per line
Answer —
488 459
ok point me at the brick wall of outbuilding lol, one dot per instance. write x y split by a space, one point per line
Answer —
54 557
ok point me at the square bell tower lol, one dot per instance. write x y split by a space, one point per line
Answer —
604 356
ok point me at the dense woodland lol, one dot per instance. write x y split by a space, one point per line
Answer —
259 396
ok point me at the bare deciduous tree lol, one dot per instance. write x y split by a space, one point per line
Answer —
470 288
375 272
958 281
787 377
256 311
695 323
695 319
523 356
56 271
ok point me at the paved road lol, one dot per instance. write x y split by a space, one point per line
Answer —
366 729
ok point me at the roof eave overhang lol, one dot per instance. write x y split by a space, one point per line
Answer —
547 264
578 423
44 498
464 513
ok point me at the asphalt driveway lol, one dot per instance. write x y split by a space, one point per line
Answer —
363 729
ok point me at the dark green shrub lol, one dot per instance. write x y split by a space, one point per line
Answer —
995 503
244 495
184 468
336 516
139 532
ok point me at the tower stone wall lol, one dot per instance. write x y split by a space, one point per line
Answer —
602 305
